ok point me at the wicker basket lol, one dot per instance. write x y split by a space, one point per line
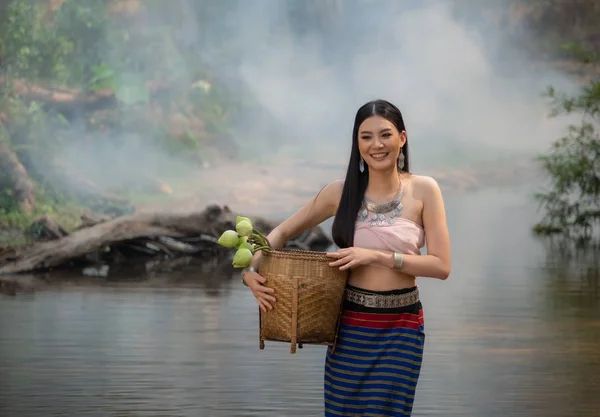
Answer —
309 296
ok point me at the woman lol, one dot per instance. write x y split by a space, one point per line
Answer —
382 213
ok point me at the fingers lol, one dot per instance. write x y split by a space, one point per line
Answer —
266 297
259 280
261 288
344 263
264 306
338 254
265 301
340 261
348 265
262 294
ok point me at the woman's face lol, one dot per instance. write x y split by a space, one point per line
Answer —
379 143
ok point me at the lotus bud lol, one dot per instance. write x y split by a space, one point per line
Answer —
242 218
244 228
247 246
229 239
242 239
242 258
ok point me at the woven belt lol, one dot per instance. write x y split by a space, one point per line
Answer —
382 301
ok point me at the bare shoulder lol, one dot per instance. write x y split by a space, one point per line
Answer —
321 207
425 186
336 187
332 193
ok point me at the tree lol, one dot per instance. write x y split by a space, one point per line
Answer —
572 203
552 21
76 72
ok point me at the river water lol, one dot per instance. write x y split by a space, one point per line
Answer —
515 331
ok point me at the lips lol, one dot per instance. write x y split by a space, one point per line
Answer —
379 156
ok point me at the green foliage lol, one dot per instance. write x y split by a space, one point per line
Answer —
81 46
552 21
66 211
29 47
572 204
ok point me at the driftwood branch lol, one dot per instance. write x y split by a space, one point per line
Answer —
67 99
50 254
60 98
147 234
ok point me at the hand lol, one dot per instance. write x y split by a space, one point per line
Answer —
352 257
261 293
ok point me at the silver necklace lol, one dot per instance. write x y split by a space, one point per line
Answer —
382 213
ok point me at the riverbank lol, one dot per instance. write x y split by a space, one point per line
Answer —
283 185
269 191
273 190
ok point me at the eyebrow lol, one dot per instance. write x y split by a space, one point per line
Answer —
381 131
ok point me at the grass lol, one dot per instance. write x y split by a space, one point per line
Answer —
15 225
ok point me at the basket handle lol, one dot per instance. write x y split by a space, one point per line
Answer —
294 334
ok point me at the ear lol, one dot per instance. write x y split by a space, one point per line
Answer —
403 138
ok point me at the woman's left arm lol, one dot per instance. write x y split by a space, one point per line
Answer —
436 264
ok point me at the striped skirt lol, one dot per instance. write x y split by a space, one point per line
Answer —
374 366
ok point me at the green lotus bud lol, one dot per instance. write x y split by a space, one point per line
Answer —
242 258
244 228
247 246
229 239
242 218
242 239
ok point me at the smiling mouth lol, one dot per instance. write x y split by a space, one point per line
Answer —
380 155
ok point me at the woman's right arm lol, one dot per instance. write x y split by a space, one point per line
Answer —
321 207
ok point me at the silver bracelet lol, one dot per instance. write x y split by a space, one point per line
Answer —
247 269
398 261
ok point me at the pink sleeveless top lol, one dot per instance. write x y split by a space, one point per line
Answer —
404 236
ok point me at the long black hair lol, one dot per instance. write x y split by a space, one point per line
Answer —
356 182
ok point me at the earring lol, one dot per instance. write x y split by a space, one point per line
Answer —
401 161
361 165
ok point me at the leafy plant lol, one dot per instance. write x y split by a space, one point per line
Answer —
572 203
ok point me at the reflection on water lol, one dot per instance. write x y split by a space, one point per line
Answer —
515 331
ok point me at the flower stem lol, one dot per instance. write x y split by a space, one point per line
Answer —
264 247
262 237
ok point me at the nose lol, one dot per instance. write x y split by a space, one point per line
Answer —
378 143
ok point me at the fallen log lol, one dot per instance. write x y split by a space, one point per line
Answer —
50 254
151 234
62 99
89 219
67 100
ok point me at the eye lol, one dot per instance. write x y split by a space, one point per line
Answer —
387 135
365 137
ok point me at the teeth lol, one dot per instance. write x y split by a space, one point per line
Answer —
378 155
